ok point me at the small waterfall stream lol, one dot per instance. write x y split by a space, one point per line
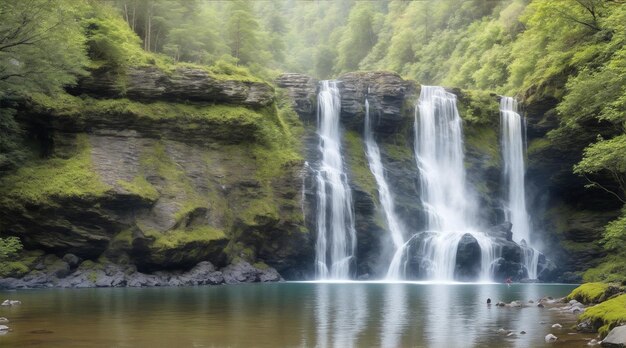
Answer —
512 128
395 226
336 236
450 209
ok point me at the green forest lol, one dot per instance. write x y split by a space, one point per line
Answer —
571 51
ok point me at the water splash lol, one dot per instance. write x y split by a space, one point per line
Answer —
450 209
512 130
336 235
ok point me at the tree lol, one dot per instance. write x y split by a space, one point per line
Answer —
41 50
41 45
241 28
358 38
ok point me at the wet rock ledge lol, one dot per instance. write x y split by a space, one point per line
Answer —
67 273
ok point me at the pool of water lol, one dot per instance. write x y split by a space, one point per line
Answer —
287 315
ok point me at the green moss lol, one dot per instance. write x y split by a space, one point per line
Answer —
606 315
261 265
260 212
484 141
175 239
398 152
92 276
589 293
357 163
13 269
141 187
44 180
538 145
125 236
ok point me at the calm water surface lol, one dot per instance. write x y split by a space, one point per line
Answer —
286 315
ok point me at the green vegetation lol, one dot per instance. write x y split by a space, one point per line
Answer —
606 315
358 165
589 293
44 181
141 187
176 238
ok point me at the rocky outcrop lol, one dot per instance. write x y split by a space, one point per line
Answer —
389 97
150 83
468 259
302 91
154 185
569 217
90 275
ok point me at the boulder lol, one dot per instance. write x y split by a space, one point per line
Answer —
204 273
616 338
72 260
468 259
243 272
302 91
550 338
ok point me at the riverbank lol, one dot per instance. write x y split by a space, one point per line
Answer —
607 311
68 273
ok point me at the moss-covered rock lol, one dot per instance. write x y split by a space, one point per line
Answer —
593 292
606 315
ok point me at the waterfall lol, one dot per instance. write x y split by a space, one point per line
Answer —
336 235
512 125
450 209
396 229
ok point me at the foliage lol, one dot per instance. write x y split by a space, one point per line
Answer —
9 246
41 45
44 180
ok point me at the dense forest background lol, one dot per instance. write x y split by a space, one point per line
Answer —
568 51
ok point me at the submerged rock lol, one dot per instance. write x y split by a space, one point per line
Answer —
550 338
3 320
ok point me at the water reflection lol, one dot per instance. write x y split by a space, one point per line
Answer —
394 321
342 312
285 315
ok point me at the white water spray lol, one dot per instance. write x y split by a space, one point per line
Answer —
450 209
336 235
512 126
396 229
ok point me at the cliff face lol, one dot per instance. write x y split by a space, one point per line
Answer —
151 182
392 101
158 171
570 218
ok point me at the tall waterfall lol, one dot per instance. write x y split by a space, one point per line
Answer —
336 235
450 210
513 155
396 229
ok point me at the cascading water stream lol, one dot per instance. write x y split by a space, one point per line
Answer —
450 209
513 156
396 229
336 236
